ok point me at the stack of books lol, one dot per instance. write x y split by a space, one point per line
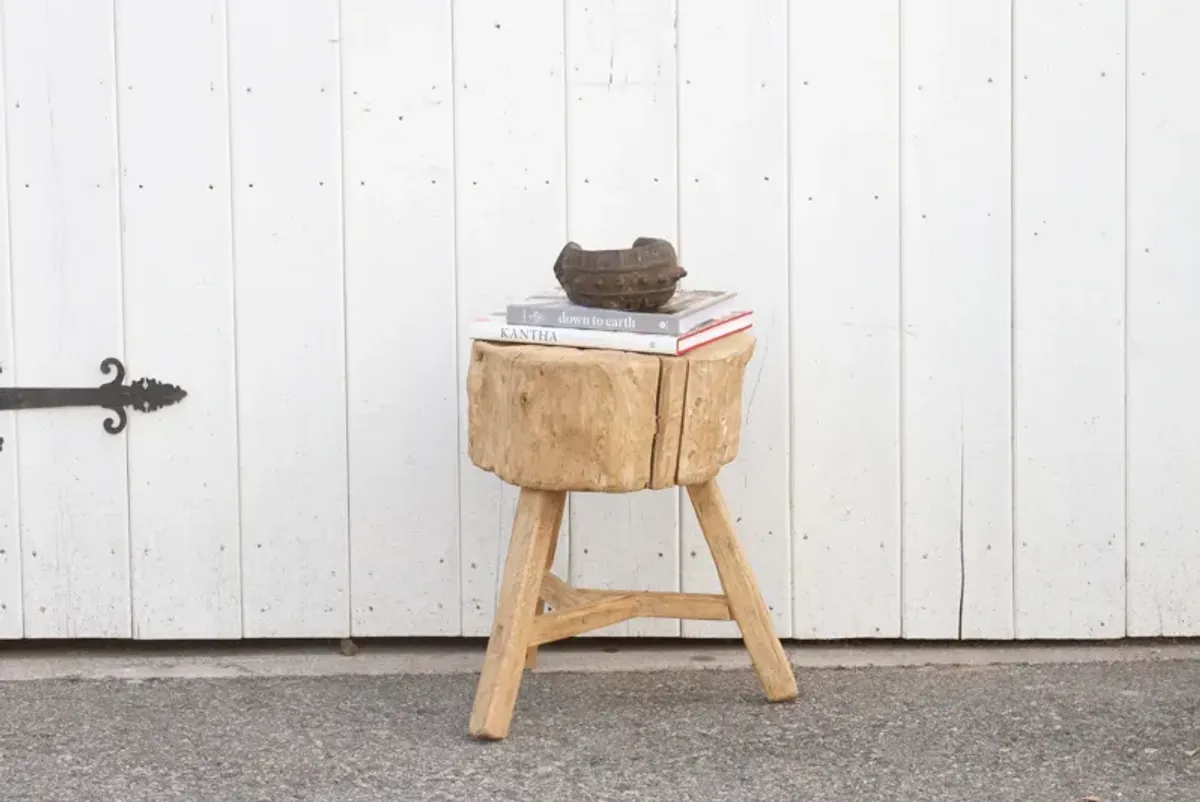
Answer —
690 319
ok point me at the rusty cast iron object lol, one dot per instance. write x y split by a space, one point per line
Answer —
637 279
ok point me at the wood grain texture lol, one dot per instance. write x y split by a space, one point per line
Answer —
712 408
588 420
557 593
588 610
845 338
397 100
552 418
179 325
65 228
672 386
622 146
538 511
666 604
733 157
548 579
741 590
12 625
689 606
956 256
1068 312
511 224
287 205
1163 290
594 615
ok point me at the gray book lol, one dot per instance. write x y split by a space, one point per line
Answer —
686 310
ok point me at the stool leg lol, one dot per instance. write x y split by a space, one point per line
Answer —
741 590
524 568
532 652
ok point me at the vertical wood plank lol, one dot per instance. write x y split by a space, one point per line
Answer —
1069 256
66 268
845 246
397 99
956 285
511 223
286 146
11 624
733 233
183 469
1163 293
622 184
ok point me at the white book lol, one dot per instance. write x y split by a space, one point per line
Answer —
496 328
686 310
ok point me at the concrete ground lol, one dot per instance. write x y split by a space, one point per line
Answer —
643 723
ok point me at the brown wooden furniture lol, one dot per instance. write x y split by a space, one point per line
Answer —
552 420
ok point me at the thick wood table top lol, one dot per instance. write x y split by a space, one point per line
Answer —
556 418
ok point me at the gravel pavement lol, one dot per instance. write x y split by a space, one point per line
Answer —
1059 733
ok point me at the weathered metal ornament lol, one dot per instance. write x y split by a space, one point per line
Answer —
144 395
637 279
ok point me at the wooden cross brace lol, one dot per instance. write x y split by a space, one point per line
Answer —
577 610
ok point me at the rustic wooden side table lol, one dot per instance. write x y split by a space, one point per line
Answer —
552 420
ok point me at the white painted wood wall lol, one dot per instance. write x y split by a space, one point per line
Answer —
969 230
